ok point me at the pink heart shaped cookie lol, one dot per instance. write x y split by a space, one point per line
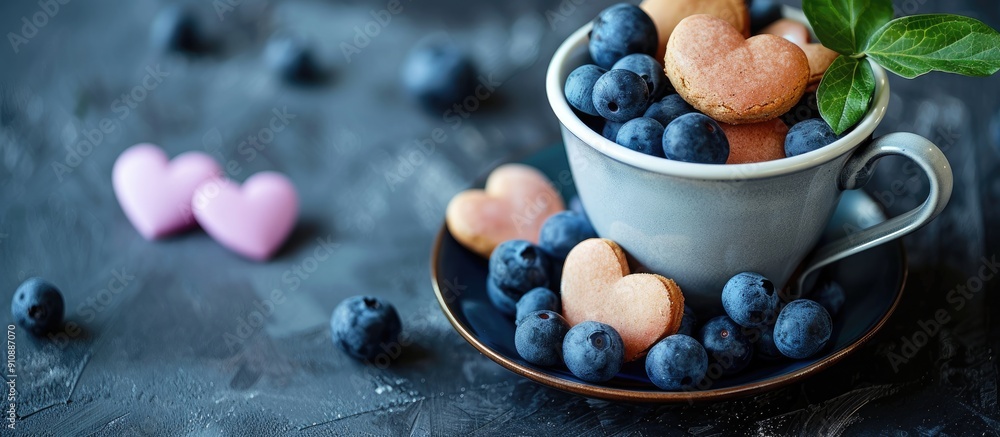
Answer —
252 220
515 203
155 192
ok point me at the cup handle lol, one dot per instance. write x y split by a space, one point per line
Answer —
856 173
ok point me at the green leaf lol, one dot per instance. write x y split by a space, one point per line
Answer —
845 92
915 45
845 26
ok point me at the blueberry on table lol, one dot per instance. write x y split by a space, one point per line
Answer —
579 87
539 299
539 337
649 70
177 28
667 109
807 136
695 138
439 74
362 326
516 267
688 322
750 300
621 30
763 13
294 59
611 129
37 306
620 95
677 362
726 344
563 231
831 296
593 351
643 135
803 328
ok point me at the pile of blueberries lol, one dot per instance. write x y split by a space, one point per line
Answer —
625 94
520 283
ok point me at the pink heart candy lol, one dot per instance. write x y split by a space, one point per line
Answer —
155 192
252 220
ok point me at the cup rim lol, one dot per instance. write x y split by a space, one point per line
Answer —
560 106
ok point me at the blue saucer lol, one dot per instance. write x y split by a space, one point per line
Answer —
873 281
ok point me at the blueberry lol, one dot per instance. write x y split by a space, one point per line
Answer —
621 30
726 344
806 108
178 28
293 58
620 95
516 267
37 306
764 347
580 87
831 296
563 231
695 138
539 337
763 13
750 300
807 136
649 70
688 322
802 329
537 300
362 326
593 351
439 74
611 129
677 362
668 109
643 135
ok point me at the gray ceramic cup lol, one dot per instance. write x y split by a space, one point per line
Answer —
701 224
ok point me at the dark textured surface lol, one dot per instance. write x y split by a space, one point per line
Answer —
172 351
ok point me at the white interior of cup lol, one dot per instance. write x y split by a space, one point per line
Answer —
573 53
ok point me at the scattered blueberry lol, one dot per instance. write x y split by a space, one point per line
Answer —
726 344
178 28
688 322
563 231
807 136
516 267
649 70
439 74
668 109
677 362
539 337
831 295
764 347
695 138
593 351
364 326
611 129
643 135
750 300
621 30
620 95
580 87
293 58
538 299
802 329
38 306
763 13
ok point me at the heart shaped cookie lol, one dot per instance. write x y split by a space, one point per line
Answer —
732 79
667 13
155 192
755 142
516 201
642 307
252 220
